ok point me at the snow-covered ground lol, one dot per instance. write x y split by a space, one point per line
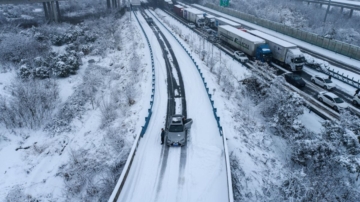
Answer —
34 162
194 182
250 149
37 164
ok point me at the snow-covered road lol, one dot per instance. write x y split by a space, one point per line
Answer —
201 176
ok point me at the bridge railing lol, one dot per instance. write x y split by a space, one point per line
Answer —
119 185
217 118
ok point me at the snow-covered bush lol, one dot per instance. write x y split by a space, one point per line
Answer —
54 65
31 104
16 194
70 36
130 93
17 47
73 107
276 103
108 111
88 178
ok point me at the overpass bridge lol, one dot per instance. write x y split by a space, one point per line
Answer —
351 5
52 8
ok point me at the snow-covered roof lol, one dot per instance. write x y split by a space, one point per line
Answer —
178 6
229 22
209 16
296 51
272 39
242 34
194 10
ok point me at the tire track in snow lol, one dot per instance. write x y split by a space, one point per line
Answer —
172 86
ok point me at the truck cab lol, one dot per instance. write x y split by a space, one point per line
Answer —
295 59
200 21
263 53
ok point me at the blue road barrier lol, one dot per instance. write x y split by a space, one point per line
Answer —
147 119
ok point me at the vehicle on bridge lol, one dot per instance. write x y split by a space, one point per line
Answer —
253 46
176 131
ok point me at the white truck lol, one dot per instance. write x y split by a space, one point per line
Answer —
209 20
223 21
253 46
285 53
194 15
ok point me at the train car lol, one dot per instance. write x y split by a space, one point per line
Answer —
283 51
178 10
253 46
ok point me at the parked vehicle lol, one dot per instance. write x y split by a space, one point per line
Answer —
253 46
149 20
323 82
332 100
295 80
209 20
209 31
321 67
191 25
178 10
356 100
241 56
168 4
175 134
283 52
218 21
195 16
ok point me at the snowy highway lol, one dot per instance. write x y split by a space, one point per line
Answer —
160 175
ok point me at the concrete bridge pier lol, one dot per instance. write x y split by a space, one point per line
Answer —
351 12
52 10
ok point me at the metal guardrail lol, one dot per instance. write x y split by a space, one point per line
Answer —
119 185
343 78
227 160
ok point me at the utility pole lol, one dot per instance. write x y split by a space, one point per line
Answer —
327 10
